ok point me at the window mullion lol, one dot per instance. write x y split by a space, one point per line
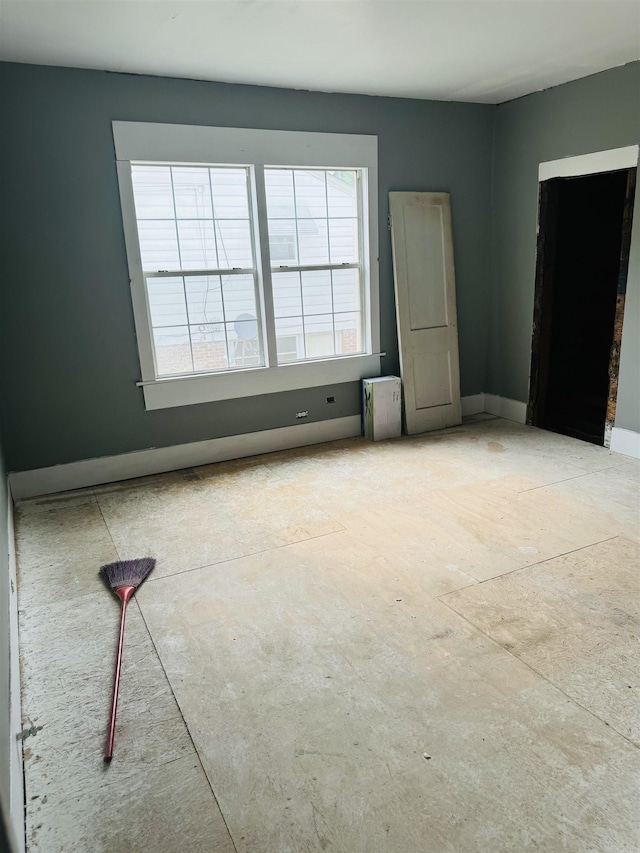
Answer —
215 224
364 263
260 219
184 289
175 216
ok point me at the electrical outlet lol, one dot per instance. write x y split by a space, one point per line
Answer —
300 415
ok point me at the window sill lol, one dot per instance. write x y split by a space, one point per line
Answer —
190 390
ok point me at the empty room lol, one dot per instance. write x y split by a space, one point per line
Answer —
319 426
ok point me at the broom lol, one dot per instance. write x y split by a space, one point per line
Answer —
123 577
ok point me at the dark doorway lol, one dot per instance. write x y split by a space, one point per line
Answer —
583 248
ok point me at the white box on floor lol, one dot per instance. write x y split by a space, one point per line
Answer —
381 407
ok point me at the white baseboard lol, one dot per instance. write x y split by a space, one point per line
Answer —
625 441
503 407
16 769
473 405
157 460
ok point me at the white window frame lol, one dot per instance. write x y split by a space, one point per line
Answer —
142 142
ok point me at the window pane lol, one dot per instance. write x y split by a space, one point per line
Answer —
229 189
222 313
346 290
158 244
192 193
234 244
193 217
287 300
324 203
242 340
279 189
316 292
239 299
197 244
343 237
152 192
283 242
283 249
287 347
288 330
173 350
342 193
209 347
348 333
166 301
319 336
310 193
204 299
312 241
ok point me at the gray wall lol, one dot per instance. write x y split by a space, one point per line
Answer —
628 407
593 114
5 669
66 325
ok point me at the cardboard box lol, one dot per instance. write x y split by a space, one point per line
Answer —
381 407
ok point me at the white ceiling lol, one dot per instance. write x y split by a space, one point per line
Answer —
485 51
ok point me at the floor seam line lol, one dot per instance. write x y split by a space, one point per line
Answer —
568 479
195 748
548 559
541 675
104 521
460 588
244 556
532 565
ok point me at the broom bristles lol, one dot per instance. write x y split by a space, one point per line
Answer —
127 572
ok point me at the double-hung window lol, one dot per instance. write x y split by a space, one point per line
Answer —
252 258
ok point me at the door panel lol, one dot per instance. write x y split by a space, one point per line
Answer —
424 261
432 379
426 309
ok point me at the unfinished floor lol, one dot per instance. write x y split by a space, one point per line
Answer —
417 646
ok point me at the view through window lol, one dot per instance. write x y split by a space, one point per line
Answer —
199 244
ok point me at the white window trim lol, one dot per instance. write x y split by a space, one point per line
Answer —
146 142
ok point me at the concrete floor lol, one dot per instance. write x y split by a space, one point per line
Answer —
417 646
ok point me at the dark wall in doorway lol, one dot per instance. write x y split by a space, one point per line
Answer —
583 238
66 323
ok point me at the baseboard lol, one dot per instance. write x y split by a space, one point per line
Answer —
625 441
473 405
157 460
503 407
16 769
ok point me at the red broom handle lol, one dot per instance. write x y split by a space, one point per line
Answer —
124 593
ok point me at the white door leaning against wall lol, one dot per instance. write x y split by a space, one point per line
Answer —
426 309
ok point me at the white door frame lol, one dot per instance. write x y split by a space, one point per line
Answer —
589 164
